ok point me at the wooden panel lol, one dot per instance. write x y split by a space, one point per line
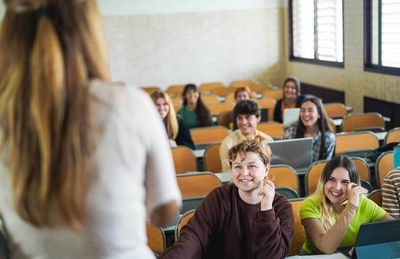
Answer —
327 95
387 109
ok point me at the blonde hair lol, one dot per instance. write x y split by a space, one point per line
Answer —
256 145
49 53
170 121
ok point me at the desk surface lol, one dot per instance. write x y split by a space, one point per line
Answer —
332 256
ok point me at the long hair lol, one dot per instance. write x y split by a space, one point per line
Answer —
203 113
49 53
323 125
170 121
327 212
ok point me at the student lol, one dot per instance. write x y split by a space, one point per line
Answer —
177 131
292 98
247 114
194 112
313 122
80 171
242 219
241 93
391 193
333 215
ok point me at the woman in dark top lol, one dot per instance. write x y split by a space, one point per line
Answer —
177 131
242 219
291 98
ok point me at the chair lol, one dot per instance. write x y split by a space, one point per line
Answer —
225 118
207 135
175 90
211 159
206 88
240 83
332 125
223 91
268 103
313 175
284 176
362 168
217 108
361 142
392 136
182 222
383 165
208 99
364 121
150 89
287 192
275 94
231 97
177 103
335 110
259 89
376 196
184 159
299 233
272 128
155 238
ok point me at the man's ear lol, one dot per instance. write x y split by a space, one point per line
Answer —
258 118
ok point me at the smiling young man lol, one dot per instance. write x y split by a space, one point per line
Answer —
247 114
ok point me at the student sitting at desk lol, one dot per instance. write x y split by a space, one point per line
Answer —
313 122
391 193
177 131
247 114
241 93
333 215
291 98
242 219
194 112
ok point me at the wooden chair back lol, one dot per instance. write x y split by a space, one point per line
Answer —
364 121
231 97
217 108
313 175
225 118
155 238
177 103
259 89
271 128
392 135
205 88
284 175
223 91
150 89
211 159
332 125
362 168
268 103
175 91
183 220
206 135
335 110
299 232
383 165
184 159
275 94
353 141
208 99
198 184
241 83
376 196
288 192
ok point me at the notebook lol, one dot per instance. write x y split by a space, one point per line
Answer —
296 153
290 116
376 240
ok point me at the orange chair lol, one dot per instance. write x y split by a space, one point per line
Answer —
217 108
197 184
211 159
240 83
268 103
355 141
275 94
206 88
284 175
223 91
335 110
376 196
299 232
175 90
364 121
383 165
259 89
225 118
155 238
271 128
208 99
208 135
184 159
182 222
392 135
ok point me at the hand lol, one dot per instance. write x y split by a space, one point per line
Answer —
354 193
172 143
267 191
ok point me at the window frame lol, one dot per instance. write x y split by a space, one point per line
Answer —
314 61
368 47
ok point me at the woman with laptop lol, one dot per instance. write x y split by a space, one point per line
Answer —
333 214
291 98
313 122
246 218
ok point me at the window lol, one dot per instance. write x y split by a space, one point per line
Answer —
382 36
316 31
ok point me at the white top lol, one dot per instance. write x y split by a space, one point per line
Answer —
134 174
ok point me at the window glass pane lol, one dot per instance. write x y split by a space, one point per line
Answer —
303 29
390 33
375 32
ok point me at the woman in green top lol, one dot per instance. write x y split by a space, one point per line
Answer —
194 112
333 215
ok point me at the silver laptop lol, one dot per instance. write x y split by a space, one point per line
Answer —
296 153
290 116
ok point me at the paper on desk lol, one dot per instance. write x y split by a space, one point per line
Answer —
332 256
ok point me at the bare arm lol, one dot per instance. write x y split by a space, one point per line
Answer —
164 214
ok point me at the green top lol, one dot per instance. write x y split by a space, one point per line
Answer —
190 117
367 212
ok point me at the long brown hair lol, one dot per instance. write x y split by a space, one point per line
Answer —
170 121
49 53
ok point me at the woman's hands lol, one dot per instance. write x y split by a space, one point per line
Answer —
267 191
354 193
